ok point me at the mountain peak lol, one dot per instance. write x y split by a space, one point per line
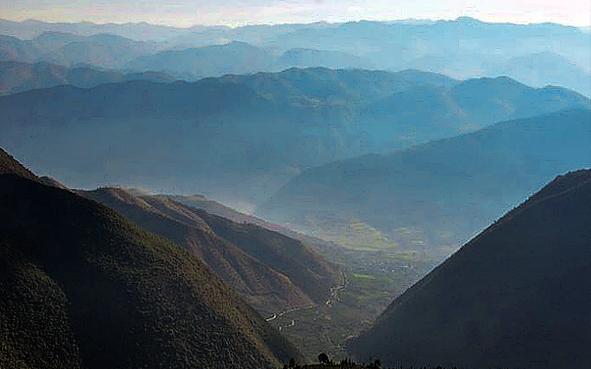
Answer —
468 21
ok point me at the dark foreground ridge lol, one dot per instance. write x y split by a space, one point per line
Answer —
515 296
81 287
270 271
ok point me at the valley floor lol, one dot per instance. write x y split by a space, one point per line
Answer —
370 281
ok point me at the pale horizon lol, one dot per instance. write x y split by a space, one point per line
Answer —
236 13
425 20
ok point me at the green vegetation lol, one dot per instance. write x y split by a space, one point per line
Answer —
9 165
347 363
328 326
433 197
516 295
270 271
80 286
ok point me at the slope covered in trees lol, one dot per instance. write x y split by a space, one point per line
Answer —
271 271
515 296
81 287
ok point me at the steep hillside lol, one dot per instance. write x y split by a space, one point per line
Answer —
287 255
9 165
216 208
437 194
250 260
83 288
516 296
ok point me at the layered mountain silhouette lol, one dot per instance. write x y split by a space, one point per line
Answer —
546 68
516 296
440 193
462 48
19 76
12 48
30 29
240 138
307 58
271 271
84 288
427 113
209 61
101 50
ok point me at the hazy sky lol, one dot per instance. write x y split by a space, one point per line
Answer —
184 13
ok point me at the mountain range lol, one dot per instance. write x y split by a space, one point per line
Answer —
238 139
82 287
517 295
399 140
19 76
437 194
546 68
272 272
101 50
535 54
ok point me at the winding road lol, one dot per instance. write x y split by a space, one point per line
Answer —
333 296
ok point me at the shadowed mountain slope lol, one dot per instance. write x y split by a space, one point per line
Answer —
285 254
252 260
515 296
440 193
9 165
216 208
83 288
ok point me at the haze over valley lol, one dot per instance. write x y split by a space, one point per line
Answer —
398 193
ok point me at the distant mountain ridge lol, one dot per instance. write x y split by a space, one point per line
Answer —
462 48
547 68
210 61
83 288
19 76
251 134
101 50
514 296
440 193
